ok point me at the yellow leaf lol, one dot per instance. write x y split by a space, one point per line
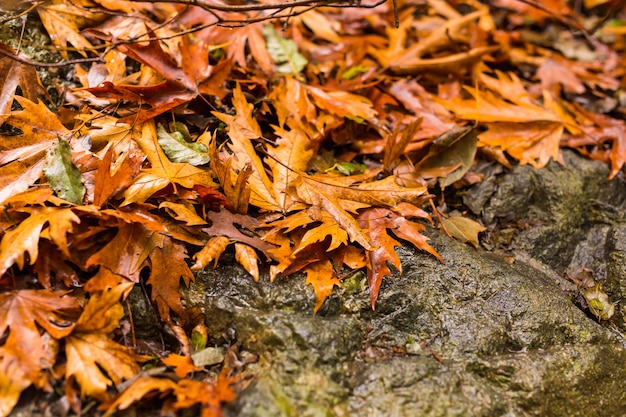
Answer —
183 213
464 229
343 103
63 21
25 237
287 160
309 192
96 362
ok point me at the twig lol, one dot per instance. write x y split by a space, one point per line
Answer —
26 61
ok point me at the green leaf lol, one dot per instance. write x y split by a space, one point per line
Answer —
284 52
62 175
177 147
348 168
354 72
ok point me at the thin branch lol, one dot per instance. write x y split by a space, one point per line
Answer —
26 61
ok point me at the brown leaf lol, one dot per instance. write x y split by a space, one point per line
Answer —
377 221
138 390
14 75
93 359
464 229
167 266
225 224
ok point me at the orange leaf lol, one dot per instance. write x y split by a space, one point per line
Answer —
167 267
127 252
25 237
242 129
163 171
210 252
136 391
14 74
323 278
94 360
24 313
183 365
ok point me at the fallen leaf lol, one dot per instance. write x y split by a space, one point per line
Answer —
323 278
464 229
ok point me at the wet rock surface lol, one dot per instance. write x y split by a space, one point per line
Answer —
476 336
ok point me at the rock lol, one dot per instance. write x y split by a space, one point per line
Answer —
475 336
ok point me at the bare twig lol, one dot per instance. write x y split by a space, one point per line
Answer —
21 58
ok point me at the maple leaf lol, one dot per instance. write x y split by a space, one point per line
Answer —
94 360
186 392
40 130
167 267
242 129
288 159
328 228
323 278
314 195
126 254
183 365
377 221
31 318
162 172
25 237
109 180
527 131
63 21
14 75
225 224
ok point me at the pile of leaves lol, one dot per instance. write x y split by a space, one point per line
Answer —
311 143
